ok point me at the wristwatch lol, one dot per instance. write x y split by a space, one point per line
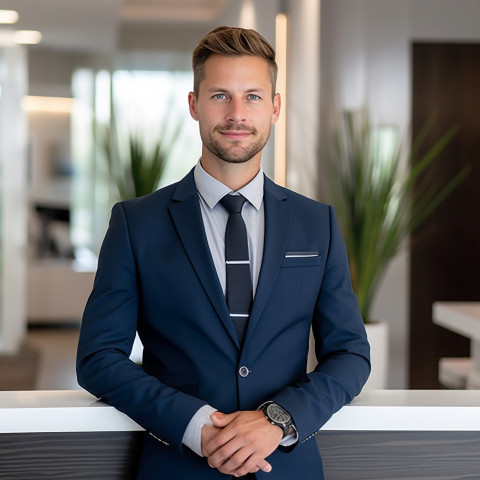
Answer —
278 416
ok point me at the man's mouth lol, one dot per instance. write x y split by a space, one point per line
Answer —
236 134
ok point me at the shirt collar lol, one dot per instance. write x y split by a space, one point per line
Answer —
212 190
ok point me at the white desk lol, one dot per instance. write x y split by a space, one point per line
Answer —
462 318
57 291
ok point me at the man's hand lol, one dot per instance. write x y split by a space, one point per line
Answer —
238 443
208 433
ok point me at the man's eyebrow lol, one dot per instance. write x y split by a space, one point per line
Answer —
255 90
225 90
217 89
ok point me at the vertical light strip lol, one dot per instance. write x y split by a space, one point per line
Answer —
280 162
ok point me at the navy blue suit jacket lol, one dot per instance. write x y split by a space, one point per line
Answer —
156 275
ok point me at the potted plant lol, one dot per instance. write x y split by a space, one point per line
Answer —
135 168
380 196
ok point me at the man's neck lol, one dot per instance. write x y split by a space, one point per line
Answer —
233 175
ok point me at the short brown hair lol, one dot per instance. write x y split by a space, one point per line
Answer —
232 41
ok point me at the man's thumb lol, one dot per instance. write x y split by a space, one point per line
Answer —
219 419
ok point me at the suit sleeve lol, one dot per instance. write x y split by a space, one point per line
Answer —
107 334
341 348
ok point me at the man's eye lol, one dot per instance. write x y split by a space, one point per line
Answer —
252 96
220 96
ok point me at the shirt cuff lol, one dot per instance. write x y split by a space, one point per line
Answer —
192 438
290 439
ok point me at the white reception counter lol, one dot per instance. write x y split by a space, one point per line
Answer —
376 410
387 434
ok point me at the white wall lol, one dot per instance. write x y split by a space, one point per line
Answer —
366 61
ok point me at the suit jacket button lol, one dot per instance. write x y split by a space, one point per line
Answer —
243 371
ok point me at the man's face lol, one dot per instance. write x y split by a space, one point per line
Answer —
234 107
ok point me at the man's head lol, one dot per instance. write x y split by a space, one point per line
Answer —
234 100
232 41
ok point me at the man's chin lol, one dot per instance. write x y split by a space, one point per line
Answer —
234 154
238 157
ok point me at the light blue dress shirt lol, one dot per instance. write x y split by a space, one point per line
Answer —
215 217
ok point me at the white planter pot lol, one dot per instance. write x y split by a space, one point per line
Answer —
377 334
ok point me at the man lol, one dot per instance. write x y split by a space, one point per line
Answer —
224 392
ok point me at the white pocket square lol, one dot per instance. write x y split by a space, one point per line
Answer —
301 254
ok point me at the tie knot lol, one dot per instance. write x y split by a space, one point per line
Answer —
233 203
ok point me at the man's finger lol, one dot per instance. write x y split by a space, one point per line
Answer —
220 419
228 453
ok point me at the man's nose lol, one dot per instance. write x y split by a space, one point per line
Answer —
236 110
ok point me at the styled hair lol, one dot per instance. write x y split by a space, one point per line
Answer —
232 41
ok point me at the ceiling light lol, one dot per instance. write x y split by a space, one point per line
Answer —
47 104
8 16
27 37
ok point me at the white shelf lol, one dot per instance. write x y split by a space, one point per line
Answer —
462 318
459 317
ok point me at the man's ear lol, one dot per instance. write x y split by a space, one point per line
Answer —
277 103
192 104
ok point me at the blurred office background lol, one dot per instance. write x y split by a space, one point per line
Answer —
403 59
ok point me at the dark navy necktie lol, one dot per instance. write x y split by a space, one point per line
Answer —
239 281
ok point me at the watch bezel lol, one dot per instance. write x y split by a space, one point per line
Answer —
269 411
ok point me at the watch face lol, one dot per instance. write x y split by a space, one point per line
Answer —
278 414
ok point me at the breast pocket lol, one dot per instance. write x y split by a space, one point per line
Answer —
301 259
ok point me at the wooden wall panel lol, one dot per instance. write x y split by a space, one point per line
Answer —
445 255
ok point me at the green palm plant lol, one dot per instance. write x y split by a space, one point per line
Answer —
379 202
135 168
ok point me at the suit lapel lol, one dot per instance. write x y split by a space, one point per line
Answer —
187 218
278 216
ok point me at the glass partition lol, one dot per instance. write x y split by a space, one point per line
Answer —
13 197
143 103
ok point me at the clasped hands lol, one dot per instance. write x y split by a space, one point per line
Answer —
238 443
